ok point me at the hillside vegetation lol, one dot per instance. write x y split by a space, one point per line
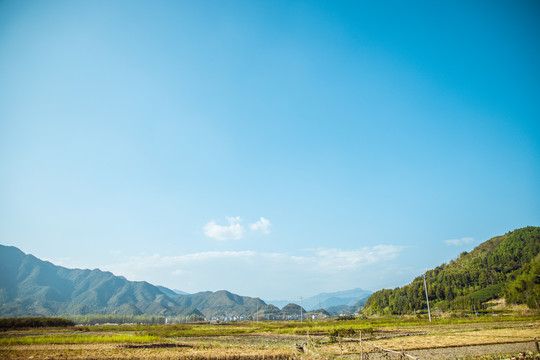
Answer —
33 287
505 266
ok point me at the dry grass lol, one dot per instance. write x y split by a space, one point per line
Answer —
264 345
500 304
113 351
448 336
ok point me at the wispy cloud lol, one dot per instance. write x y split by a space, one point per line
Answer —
263 273
353 259
235 230
459 242
320 259
263 226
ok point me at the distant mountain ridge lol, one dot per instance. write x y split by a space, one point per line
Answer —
33 287
505 266
332 301
222 304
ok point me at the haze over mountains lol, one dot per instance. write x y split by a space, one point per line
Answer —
32 287
505 266
344 299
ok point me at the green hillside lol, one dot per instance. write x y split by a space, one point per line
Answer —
222 304
32 287
506 266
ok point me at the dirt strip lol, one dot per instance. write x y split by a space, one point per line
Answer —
464 351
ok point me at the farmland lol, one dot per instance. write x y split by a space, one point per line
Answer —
449 338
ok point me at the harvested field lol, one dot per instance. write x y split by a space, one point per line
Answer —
499 351
451 336
149 351
473 340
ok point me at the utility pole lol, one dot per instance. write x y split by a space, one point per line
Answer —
427 299
301 314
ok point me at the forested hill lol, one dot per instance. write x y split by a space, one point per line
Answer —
505 266
33 287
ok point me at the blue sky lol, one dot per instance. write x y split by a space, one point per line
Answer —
271 148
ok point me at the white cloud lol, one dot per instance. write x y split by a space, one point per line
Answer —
335 259
233 231
263 226
210 255
459 242
320 259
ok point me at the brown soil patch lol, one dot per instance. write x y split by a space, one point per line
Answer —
460 337
154 346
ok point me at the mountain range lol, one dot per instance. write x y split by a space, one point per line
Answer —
341 299
505 266
33 287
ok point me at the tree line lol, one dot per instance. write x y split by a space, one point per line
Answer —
33 322
97 319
